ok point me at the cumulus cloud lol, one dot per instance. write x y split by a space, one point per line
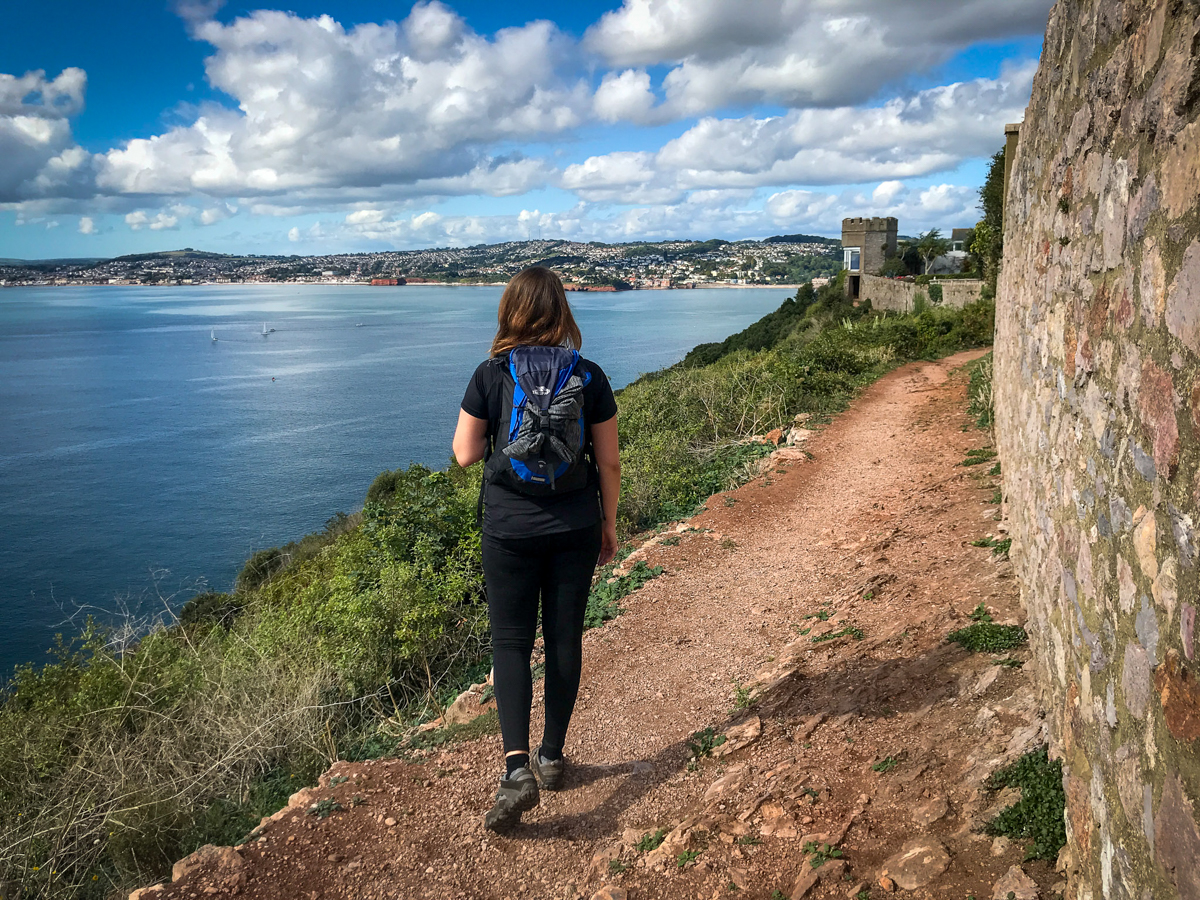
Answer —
138 220
321 107
87 225
932 131
794 52
39 152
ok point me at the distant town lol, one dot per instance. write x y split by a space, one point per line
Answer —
779 260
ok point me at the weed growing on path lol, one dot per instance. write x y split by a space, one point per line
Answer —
980 614
605 596
1038 815
979 457
323 809
885 765
616 867
1000 547
1011 662
821 854
980 405
742 698
704 742
686 857
851 631
987 637
651 841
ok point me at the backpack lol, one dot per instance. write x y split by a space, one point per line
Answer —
543 451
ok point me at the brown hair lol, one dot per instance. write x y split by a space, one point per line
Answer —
534 311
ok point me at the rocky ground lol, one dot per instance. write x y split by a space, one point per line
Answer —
804 617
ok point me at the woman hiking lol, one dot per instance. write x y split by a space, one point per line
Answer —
545 421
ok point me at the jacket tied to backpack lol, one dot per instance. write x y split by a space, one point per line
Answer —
543 451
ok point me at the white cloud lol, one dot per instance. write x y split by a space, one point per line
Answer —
932 131
795 52
39 152
625 96
162 221
322 108
219 213
87 225
293 234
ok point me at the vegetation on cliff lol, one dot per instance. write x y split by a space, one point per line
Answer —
123 756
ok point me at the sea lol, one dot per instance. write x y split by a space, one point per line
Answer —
152 438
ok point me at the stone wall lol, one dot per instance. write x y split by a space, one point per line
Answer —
1097 380
890 293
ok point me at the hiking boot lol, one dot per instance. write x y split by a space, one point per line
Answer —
516 794
549 771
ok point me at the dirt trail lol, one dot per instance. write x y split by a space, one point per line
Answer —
889 734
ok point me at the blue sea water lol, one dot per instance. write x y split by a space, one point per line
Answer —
140 461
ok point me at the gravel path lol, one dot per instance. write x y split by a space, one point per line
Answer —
868 739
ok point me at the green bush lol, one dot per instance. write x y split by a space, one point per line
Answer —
1039 816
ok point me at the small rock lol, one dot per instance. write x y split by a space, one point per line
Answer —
467 707
739 877
791 454
930 812
389 822
223 864
775 436
144 893
1016 883
740 736
1000 846
830 871
602 858
855 889
429 870
986 680
919 861
609 892
726 784
334 857
887 884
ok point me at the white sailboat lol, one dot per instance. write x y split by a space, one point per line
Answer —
265 330
214 335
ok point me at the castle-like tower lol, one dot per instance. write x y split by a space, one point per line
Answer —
866 243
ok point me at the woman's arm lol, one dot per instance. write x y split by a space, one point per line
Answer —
470 439
608 460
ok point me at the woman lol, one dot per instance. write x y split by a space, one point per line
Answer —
539 540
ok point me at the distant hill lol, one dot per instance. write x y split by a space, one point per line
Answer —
185 253
800 239
34 263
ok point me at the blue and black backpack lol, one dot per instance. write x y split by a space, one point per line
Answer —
544 449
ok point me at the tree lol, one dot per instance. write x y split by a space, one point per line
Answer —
931 245
988 243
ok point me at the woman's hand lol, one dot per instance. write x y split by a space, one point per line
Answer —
608 544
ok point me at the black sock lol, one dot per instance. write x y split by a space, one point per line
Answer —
550 753
515 761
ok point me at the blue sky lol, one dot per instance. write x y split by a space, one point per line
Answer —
138 125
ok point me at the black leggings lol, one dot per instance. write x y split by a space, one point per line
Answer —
558 568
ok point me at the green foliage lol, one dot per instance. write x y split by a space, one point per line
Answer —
651 841
848 631
979 613
607 592
980 404
211 608
616 867
987 637
930 246
819 854
324 808
1039 815
687 856
1000 547
988 243
978 456
920 303
885 765
764 334
704 742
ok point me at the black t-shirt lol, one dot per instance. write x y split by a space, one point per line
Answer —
506 513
